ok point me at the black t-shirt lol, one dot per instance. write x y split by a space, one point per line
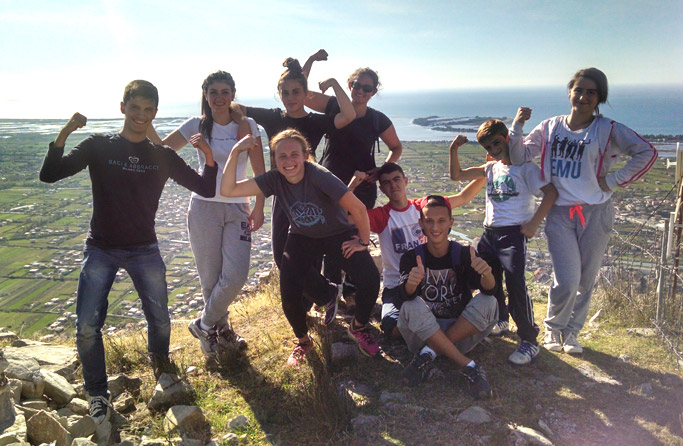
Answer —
351 148
446 288
127 180
313 126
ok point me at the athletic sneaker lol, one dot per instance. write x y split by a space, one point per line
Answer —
99 408
475 378
365 341
332 306
501 328
208 339
525 353
228 339
552 340
299 354
418 369
571 345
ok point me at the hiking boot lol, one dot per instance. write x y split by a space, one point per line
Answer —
208 339
98 407
228 339
418 369
161 364
525 353
571 345
552 340
475 378
298 356
366 343
501 328
332 306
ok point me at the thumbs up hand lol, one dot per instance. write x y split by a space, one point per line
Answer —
479 264
416 275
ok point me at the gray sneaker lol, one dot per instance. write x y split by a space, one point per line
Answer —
208 340
552 340
571 345
99 408
230 340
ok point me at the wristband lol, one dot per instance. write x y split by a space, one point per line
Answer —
363 244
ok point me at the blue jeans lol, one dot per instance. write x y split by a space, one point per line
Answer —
98 271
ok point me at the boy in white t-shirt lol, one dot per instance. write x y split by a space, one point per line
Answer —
510 221
398 227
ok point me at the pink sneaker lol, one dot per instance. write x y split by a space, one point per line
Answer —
298 356
365 341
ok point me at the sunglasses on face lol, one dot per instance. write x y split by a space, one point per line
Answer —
358 86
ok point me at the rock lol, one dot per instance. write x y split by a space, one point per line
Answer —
3 361
60 359
35 403
644 389
238 422
15 386
153 442
8 336
545 428
231 439
78 406
65 412
526 435
27 370
342 351
102 435
7 413
366 423
57 388
33 389
27 411
84 427
386 397
83 442
596 375
122 383
14 433
125 403
44 428
187 421
645 332
625 358
170 391
474 415
191 442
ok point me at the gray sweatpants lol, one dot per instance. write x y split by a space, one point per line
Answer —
577 252
220 239
417 323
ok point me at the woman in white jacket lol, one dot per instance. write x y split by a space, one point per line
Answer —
577 152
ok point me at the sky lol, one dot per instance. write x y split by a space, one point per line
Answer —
66 56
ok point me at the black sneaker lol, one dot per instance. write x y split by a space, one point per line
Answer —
476 382
99 408
161 364
228 339
418 369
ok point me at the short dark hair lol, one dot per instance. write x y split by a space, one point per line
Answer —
389 167
491 128
141 88
436 201
596 76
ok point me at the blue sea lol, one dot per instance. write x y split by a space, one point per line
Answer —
646 109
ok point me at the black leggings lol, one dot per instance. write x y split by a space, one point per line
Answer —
298 268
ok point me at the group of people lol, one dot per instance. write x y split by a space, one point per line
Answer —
323 215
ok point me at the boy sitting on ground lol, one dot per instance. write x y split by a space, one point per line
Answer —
397 224
439 315
510 220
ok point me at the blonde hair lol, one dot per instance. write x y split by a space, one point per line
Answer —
295 135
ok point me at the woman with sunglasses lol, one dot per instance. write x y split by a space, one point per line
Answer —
353 147
292 88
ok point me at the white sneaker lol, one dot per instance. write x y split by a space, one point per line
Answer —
571 345
500 328
525 353
552 340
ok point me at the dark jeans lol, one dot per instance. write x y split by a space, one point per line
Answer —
98 270
391 305
299 268
504 249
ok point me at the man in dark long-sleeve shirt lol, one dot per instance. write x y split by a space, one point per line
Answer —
128 173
